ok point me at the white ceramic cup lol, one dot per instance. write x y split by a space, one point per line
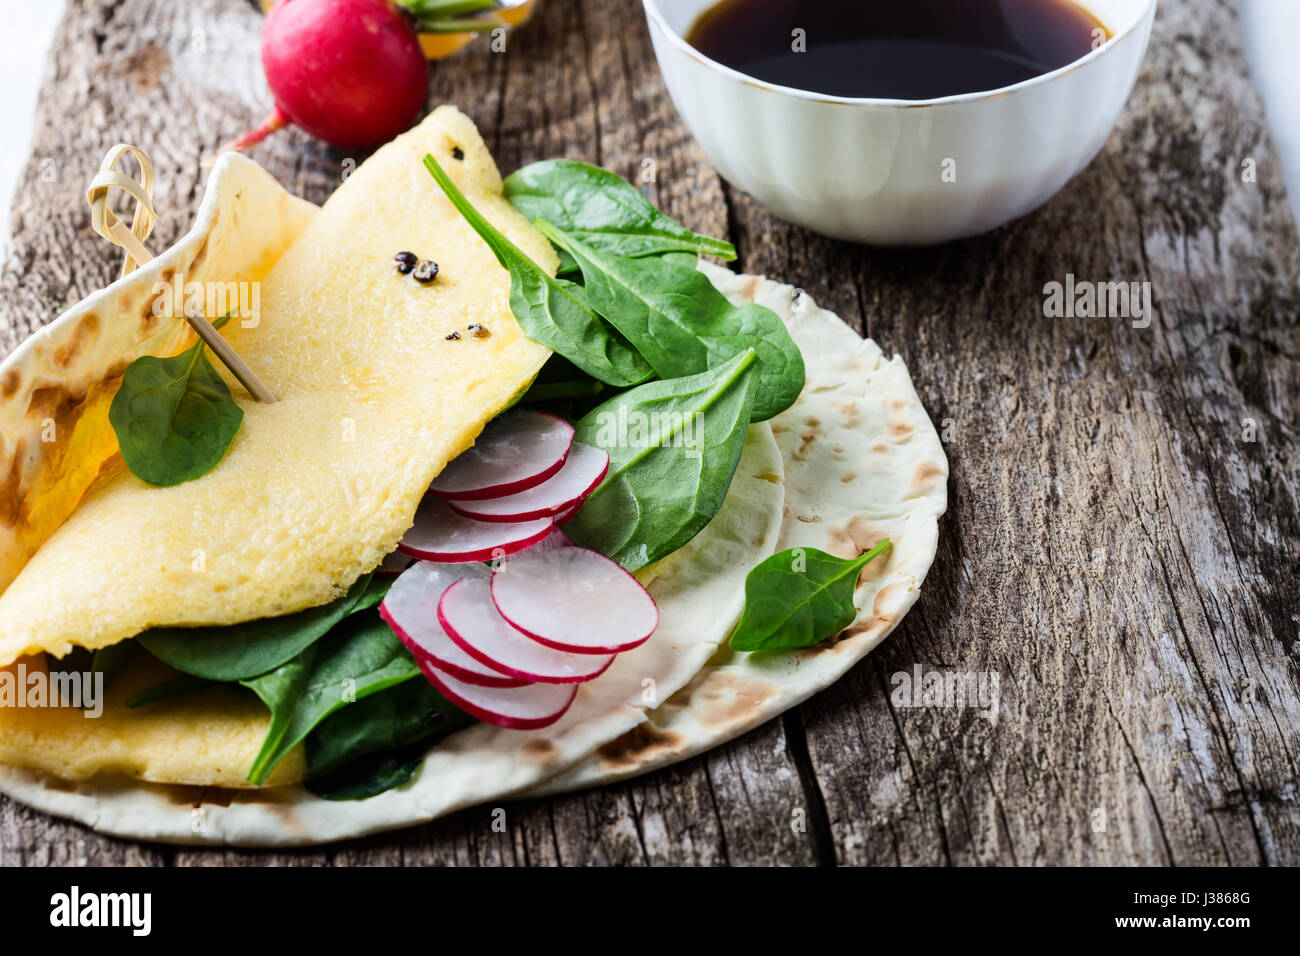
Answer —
902 172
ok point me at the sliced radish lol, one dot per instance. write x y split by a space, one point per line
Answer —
517 451
573 599
581 473
439 534
469 618
411 609
519 708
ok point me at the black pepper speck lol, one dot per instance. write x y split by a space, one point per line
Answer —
478 331
457 153
453 336
426 270
404 262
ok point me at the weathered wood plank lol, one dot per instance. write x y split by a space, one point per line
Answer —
1115 551
1118 550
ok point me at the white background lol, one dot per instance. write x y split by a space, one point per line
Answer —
1272 29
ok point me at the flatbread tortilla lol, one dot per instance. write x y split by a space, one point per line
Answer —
700 593
855 460
862 463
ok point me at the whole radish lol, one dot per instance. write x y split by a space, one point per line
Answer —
350 72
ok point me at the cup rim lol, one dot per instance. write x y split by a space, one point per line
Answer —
652 11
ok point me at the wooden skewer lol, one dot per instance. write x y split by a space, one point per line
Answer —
112 228
205 329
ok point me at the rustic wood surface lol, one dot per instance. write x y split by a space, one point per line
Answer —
1122 544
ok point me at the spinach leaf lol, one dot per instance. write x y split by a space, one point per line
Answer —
174 417
552 311
406 713
361 658
240 651
682 324
110 660
369 775
798 597
603 210
180 684
673 447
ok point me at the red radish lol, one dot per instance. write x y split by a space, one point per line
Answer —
469 618
581 473
519 708
411 609
573 599
517 451
439 534
350 72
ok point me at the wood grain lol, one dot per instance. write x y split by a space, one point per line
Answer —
1118 550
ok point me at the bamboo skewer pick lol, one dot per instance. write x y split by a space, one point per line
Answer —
107 224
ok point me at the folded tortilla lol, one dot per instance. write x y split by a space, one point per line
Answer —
294 514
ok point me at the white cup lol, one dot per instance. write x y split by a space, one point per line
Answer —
902 172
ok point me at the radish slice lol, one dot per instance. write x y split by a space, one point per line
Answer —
469 618
519 708
581 473
573 599
514 452
411 609
439 534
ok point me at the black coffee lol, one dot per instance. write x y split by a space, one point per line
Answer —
896 49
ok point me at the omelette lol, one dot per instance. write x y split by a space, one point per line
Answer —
374 399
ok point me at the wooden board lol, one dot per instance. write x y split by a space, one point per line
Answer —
1122 547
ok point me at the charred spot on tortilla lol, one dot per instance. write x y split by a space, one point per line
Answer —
639 744
924 478
726 698
543 750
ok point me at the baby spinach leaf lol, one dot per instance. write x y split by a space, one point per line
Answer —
551 311
369 775
603 210
673 447
241 651
361 658
110 660
174 417
681 323
378 743
798 597
180 684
